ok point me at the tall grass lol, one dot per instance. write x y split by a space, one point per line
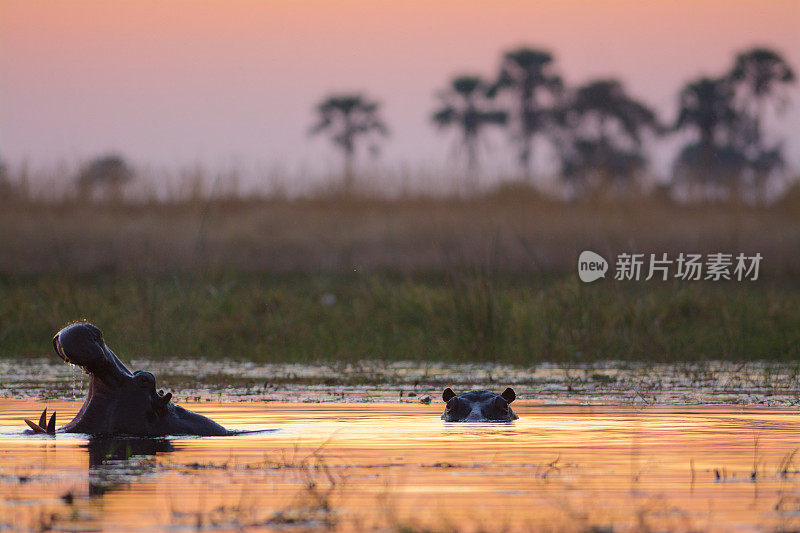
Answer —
514 233
487 278
459 317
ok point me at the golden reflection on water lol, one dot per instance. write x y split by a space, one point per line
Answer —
351 467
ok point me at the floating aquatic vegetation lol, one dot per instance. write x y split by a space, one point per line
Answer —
716 382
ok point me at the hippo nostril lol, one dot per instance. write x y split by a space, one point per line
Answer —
97 334
145 380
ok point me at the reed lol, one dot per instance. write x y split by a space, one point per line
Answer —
518 233
463 316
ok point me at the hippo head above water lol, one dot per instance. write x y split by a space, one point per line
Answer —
479 406
120 402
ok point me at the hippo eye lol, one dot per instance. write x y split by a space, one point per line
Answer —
452 405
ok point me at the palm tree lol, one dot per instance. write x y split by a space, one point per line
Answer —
604 130
348 118
706 105
759 75
466 105
527 74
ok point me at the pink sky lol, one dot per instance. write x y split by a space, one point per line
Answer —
172 83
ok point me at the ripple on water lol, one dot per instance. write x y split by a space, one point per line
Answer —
395 465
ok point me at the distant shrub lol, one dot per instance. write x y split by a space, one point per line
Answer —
104 178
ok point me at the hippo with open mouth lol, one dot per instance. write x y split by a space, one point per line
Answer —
479 406
120 402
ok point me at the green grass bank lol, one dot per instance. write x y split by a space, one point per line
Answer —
458 317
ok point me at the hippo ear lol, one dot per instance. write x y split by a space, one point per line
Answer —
448 394
509 395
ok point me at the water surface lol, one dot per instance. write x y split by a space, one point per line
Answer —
392 466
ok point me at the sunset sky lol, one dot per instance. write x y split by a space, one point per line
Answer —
172 83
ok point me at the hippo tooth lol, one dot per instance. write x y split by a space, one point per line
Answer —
43 418
34 427
51 426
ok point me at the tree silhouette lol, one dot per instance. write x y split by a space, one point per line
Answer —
706 104
347 119
107 175
466 105
758 76
727 114
603 129
527 76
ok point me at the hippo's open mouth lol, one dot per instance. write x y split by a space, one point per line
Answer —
82 344
120 402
